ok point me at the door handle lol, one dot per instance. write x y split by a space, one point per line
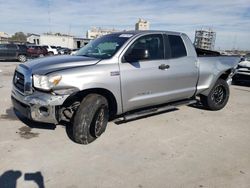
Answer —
163 67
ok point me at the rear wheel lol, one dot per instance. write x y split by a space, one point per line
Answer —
50 53
218 96
22 58
91 119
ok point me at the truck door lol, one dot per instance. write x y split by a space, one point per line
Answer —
182 75
155 78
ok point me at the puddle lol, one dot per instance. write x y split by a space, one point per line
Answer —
25 132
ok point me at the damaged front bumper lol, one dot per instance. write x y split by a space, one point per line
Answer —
39 106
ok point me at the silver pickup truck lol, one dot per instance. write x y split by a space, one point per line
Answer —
126 75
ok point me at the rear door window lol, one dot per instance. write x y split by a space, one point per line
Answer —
176 45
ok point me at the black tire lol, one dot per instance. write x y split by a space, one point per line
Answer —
22 58
50 53
91 119
218 96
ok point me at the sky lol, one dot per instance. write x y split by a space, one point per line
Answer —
229 18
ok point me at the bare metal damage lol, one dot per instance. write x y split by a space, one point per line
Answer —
42 105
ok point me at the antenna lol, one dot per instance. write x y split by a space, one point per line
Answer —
49 15
69 35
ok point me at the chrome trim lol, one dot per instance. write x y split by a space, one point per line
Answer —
27 79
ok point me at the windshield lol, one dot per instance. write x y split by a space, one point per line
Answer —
104 47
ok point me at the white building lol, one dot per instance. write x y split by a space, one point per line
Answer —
4 37
142 25
205 39
33 39
66 41
97 32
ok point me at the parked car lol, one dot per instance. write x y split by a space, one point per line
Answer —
37 51
243 70
52 50
45 51
64 51
13 52
74 51
125 75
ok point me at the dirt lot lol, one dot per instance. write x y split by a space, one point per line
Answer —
189 147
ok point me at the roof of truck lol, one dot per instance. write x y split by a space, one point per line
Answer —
135 32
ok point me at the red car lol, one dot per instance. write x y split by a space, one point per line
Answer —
37 51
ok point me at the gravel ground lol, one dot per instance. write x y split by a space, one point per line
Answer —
188 147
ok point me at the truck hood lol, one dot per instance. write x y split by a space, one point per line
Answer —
50 64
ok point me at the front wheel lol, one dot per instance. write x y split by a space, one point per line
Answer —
218 96
91 119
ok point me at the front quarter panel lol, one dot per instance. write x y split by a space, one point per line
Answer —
104 75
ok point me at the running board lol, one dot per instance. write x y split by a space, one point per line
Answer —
154 110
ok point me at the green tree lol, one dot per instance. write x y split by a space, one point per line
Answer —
19 36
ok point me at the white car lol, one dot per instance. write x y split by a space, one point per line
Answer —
51 50
243 70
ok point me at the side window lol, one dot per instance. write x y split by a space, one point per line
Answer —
11 46
177 46
150 45
2 46
168 53
21 47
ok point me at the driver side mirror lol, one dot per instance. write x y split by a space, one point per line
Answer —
136 55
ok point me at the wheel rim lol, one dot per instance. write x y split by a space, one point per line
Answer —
22 58
99 121
219 95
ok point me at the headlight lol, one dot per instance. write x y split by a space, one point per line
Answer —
46 82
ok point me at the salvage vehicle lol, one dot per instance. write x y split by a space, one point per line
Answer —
123 75
13 52
243 70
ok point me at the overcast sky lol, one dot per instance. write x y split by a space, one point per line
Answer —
229 18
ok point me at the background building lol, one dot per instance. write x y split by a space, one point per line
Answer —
33 38
205 39
142 25
3 37
97 32
66 41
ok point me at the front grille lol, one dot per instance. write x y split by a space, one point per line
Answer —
18 81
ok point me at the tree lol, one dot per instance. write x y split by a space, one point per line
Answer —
19 36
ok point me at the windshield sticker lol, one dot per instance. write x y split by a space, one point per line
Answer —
126 35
